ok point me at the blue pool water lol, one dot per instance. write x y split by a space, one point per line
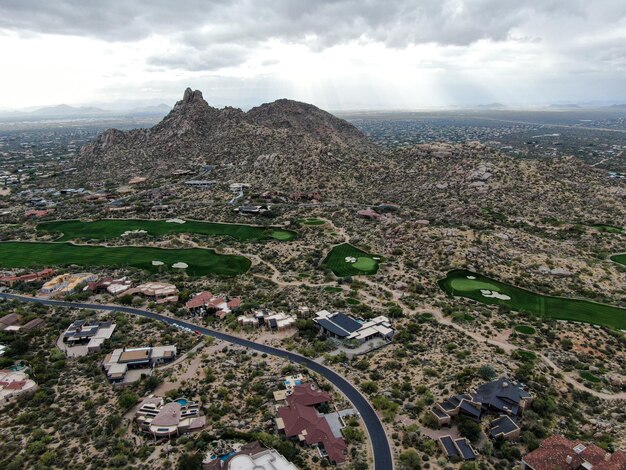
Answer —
182 402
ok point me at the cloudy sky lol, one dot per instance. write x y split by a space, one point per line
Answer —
341 54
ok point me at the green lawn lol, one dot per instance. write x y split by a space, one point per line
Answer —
114 228
457 283
364 264
621 258
201 262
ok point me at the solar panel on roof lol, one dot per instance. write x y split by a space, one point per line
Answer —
448 444
332 327
466 451
345 322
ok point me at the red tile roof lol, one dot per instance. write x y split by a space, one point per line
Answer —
299 418
199 300
234 303
564 454
307 395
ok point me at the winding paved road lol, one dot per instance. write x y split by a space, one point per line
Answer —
380 444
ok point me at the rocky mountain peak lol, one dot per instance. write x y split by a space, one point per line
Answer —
194 133
192 95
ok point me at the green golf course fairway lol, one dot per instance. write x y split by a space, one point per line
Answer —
201 262
364 264
621 258
114 228
558 308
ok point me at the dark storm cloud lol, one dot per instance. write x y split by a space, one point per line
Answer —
217 30
395 22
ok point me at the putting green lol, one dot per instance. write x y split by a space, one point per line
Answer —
471 285
364 263
114 228
282 235
466 285
339 261
200 261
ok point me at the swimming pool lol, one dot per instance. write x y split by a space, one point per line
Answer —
295 382
182 402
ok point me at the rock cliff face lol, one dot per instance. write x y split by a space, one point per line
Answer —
194 133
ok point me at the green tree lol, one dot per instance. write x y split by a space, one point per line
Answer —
190 462
487 372
410 460
128 399
469 428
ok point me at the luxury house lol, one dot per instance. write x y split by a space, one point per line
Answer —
503 397
161 419
93 335
342 326
300 420
118 363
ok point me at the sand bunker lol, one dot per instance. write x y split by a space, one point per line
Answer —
133 232
350 259
492 294
158 263
180 265
471 277
175 221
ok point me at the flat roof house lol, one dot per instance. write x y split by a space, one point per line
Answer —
162 419
93 334
270 320
117 363
504 427
558 452
457 448
342 326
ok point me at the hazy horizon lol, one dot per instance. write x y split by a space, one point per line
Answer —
339 55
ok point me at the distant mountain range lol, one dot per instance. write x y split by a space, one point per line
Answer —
63 111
